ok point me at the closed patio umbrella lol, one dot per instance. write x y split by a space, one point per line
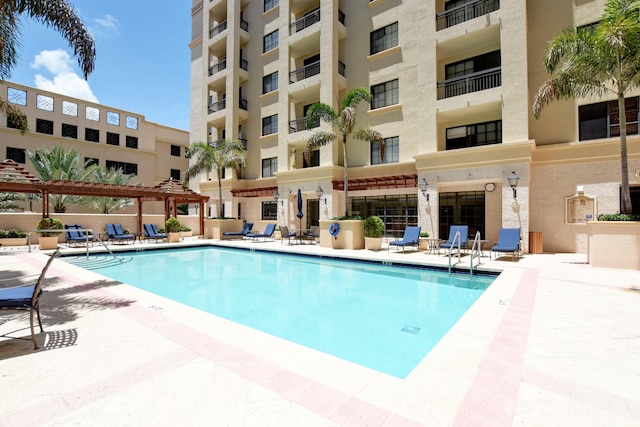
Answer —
300 214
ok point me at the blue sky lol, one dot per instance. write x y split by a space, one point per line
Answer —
142 58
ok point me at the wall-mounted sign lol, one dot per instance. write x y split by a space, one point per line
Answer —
580 209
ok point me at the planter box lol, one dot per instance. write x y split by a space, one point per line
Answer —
186 233
373 243
48 242
213 228
14 241
174 237
614 244
351 235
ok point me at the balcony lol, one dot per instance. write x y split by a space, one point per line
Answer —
465 12
342 69
244 64
244 104
298 125
215 68
244 25
305 22
218 29
304 72
217 106
473 82
341 17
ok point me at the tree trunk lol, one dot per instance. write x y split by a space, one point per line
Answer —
219 172
625 196
346 175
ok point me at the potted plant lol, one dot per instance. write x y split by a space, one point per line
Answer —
172 228
13 237
423 243
48 239
373 230
185 231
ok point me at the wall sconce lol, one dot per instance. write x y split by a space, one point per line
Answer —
30 197
513 182
319 193
276 196
424 186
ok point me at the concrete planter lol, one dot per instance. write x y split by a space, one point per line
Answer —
174 237
351 235
14 241
373 243
214 228
423 244
186 233
46 243
614 244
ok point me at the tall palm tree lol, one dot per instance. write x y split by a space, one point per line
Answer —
344 121
220 155
58 14
106 205
596 63
57 163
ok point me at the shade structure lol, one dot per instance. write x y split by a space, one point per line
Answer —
300 214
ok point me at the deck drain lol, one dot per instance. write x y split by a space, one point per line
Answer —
413 330
156 308
504 302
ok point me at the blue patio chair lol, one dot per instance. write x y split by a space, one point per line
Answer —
26 297
151 232
459 244
267 234
285 234
411 237
508 241
239 234
115 233
75 235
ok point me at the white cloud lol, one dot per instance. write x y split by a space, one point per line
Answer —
64 79
107 22
103 26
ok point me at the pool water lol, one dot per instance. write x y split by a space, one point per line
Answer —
383 317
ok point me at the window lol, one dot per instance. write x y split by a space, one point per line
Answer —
315 159
18 155
384 38
270 82
589 28
472 65
44 102
385 94
602 120
486 133
131 141
175 150
13 123
113 138
91 161
69 131
269 167
70 108
132 122
175 174
270 4
93 114
91 135
270 42
17 96
127 168
390 153
269 125
269 211
44 126
113 118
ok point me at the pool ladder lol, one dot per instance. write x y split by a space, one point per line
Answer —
475 250
96 235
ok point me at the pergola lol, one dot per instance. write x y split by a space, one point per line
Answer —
15 179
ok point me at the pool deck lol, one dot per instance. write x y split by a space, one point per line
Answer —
552 342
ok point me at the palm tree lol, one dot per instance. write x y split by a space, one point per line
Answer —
59 164
106 205
219 155
344 121
58 14
595 63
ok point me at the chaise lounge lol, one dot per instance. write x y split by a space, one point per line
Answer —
75 235
411 237
239 234
508 241
117 234
453 242
267 234
151 232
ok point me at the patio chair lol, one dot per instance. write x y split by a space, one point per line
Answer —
26 297
508 241
460 243
115 233
411 237
151 232
285 234
239 234
267 234
75 236
312 234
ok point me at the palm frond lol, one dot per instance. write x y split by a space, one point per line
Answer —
316 140
355 96
320 111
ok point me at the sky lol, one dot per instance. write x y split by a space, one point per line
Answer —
142 58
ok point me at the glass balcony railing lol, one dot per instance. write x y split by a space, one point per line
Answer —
473 82
465 12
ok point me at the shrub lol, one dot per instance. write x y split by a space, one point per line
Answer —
14 233
49 224
173 225
347 218
618 217
424 234
373 227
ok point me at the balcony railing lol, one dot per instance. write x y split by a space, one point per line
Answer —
244 25
465 12
306 21
304 72
244 64
244 104
298 125
214 144
473 82
218 67
243 142
342 69
217 106
341 17
218 29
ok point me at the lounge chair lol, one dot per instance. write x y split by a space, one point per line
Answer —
411 237
285 234
239 234
508 241
115 233
75 235
151 232
267 234
460 243
27 298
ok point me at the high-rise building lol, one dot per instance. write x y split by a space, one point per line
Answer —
452 83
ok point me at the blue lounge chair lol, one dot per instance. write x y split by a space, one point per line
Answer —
285 234
75 235
151 232
508 241
27 298
239 234
115 233
459 244
411 237
267 234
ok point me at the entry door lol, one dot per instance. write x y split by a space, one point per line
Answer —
313 212
465 208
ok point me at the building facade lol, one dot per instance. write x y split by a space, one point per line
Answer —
452 83
103 135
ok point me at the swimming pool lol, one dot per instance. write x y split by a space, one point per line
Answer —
383 317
